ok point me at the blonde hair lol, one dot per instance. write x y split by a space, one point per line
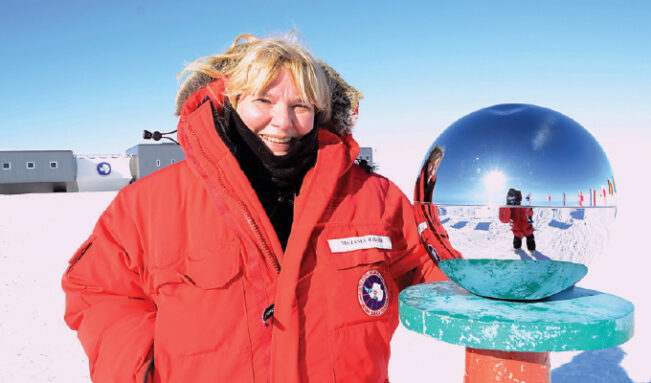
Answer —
436 153
251 66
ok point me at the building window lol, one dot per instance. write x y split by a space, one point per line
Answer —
31 165
6 166
158 163
172 161
54 164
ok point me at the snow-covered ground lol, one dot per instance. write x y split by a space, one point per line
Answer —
40 232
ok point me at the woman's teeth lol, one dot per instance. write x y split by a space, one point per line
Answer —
276 140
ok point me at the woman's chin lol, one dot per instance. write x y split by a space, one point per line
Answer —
278 149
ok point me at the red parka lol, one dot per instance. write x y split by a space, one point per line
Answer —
183 263
431 230
520 218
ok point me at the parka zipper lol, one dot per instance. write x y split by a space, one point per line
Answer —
254 226
245 210
150 370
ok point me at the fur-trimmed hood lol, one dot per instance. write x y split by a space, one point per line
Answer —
344 98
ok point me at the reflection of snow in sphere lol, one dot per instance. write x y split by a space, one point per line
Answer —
562 233
560 187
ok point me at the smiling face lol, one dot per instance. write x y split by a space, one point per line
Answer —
432 166
277 115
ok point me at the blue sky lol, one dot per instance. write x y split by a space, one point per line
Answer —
90 76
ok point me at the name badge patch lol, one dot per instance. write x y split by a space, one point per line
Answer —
343 245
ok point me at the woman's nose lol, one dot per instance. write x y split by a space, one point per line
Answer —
281 117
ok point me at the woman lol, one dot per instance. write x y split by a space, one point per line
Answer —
267 255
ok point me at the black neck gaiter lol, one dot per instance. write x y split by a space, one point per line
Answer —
275 179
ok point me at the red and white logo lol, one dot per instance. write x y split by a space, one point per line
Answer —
372 293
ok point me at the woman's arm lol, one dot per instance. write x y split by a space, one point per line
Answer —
105 301
414 265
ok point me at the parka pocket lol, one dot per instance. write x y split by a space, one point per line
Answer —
356 258
215 269
357 288
353 270
201 306
361 311
361 299
205 269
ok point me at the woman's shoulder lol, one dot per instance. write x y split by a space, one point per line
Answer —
361 179
166 177
366 173
163 186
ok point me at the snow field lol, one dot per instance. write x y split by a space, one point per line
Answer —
40 232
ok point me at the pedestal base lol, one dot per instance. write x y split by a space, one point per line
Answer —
485 366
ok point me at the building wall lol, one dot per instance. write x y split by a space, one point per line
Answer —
366 153
151 157
103 172
36 171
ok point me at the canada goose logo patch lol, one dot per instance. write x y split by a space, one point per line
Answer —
372 293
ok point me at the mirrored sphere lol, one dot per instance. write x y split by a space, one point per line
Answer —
513 201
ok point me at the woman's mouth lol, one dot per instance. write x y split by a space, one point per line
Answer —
276 140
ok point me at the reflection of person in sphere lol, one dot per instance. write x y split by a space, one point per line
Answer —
520 218
433 162
432 233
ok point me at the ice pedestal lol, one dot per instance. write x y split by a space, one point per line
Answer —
514 338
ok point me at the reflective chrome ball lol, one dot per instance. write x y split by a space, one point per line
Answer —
514 200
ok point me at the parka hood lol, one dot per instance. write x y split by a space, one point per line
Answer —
344 98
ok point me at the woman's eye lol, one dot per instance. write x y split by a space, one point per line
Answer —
302 107
262 100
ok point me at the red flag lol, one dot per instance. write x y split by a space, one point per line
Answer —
594 198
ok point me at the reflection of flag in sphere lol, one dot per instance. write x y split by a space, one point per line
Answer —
372 293
593 198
